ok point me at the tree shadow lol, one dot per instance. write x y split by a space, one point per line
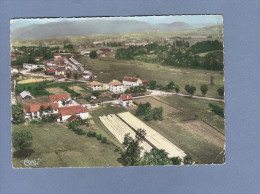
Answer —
23 153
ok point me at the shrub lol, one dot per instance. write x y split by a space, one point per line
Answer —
78 131
157 113
148 116
221 91
91 134
20 139
99 137
217 110
33 121
104 140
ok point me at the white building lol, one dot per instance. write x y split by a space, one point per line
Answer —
116 87
56 56
66 112
59 78
59 71
32 66
85 53
126 100
132 81
95 86
34 110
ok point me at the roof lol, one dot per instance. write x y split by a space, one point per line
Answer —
68 72
56 54
95 83
144 81
70 110
58 97
50 71
59 76
36 107
131 79
60 59
105 49
27 108
115 83
53 62
126 97
73 117
25 93
59 69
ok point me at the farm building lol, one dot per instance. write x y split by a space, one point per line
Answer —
59 78
132 81
61 99
34 110
126 100
116 87
25 95
95 85
66 112
50 72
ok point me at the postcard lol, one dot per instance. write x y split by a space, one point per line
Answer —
117 91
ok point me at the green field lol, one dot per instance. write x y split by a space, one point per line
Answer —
57 146
117 69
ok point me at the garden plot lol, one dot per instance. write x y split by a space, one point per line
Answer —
152 136
56 90
118 128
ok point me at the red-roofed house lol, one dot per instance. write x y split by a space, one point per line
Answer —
38 58
35 111
56 55
13 58
59 78
59 71
132 81
50 72
126 100
61 99
145 82
66 112
52 63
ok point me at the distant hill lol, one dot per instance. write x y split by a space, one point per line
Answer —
84 28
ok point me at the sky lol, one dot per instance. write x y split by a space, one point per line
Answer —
190 19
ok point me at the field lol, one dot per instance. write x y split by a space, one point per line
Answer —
57 146
195 130
34 80
56 90
157 103
117 69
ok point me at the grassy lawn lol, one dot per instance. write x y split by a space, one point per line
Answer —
106 110
57 146
117 69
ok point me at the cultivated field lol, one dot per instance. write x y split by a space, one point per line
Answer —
155 138
119 129
56 90
57 146
34 101
33 80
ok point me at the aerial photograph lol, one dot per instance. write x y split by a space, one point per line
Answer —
117 91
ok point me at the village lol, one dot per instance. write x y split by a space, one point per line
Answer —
106 90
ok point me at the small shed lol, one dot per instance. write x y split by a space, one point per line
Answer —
25 95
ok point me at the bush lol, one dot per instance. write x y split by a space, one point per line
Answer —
33 121
157 113
99 137
148 116
78 131
104 140
91 134
221 91
217 110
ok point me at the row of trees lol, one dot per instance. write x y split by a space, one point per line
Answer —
132 153
136 89
17 114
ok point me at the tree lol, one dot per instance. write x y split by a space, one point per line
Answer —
176 160
133 148
104 140
127 91
148 116
17 114
93 55
190 89
171 85
76 76
152 85
187 160
68 75
155 157
221 91
177 88
41 109
96 93
203 89
157 113
20 139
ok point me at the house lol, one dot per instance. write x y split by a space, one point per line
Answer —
61 99
25 95
73 118
52 63
38 58
37 111
104 50
116 87
132 81
66 112
59 71
32 66
60 60
59 78
56 55
95 85
145 82
85 53
126 100
13 58
97 43
50 72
